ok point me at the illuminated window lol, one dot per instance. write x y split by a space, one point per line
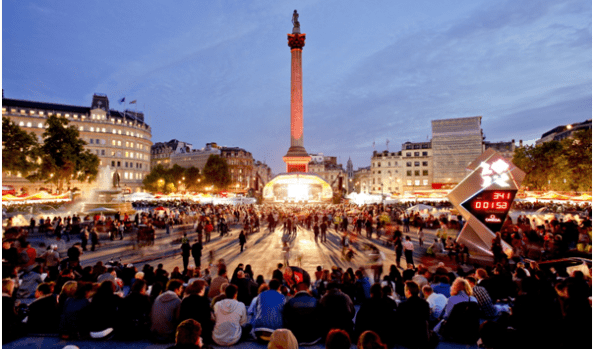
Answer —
119 132
126 174
32 112
119 143
126 155
127 144
409 182
103 129
92 129
81 128
67 115
40 125
22 111
114 131
29 124
417 182
113 154
59 114
425 182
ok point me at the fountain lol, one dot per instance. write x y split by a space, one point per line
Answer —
107 197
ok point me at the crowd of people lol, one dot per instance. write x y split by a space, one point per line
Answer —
504 306
510 304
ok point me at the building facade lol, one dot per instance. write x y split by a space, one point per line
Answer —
328 168
506 149
241 168
121 140
456 143
162 152
562 132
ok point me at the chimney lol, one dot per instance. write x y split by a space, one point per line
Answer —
520 142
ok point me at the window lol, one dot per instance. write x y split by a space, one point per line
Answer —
40 125
92 140
425 173
22 123
409 182
97 141
379 164
416 153
126 154
424 153
103 129
119 155
425 182
119 164
417 182
409 173
119 132
126 164
408 154
417 163
409 164
67 115
125 175
92 129
114 131
119 143
113 142
378 172
113 164
103 152
29 124
417 146
127 144
425 163
417 173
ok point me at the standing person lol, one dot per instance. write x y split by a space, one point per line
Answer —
208 229
242 240
94 238
197 253
421 235
185 252
408 251
84 238
398 249
323 228
316 230
168 226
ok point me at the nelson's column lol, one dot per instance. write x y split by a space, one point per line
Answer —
297 159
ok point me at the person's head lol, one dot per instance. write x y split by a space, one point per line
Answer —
69 288
262 288
175 285
231 291
411 289
471 280
240 274
83 290
407 238
338 339
195 288
139 286
427 290
43 289
283 338
302 286
7 286
274 284
370 340
444 279
481 274
107 287
139 276
460 285
222 270
376 290
188 332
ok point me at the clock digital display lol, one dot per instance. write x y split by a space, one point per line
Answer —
491 207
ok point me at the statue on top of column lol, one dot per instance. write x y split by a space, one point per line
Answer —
295 21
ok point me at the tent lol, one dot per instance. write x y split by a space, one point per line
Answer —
419 208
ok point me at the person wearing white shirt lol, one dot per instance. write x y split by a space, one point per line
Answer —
437 303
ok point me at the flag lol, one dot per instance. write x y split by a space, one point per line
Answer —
133 102
122 100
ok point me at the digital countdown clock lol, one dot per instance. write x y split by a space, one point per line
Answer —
491 207
484 198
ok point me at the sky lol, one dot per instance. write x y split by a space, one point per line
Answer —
219 71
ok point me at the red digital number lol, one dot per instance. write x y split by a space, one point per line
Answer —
500 196
501 205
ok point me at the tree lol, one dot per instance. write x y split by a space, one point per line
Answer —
156 180
193 179
64 156
558 165
20 149
216 172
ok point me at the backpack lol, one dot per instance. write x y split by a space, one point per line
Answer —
463 324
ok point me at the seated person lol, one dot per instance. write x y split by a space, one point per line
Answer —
187 335
268 308
301 315
43 316
437 303
230 315
11 324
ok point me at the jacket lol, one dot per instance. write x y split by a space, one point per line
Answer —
165 315
268 311
230 315
301 315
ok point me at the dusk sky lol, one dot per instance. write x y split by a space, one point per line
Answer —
219 71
